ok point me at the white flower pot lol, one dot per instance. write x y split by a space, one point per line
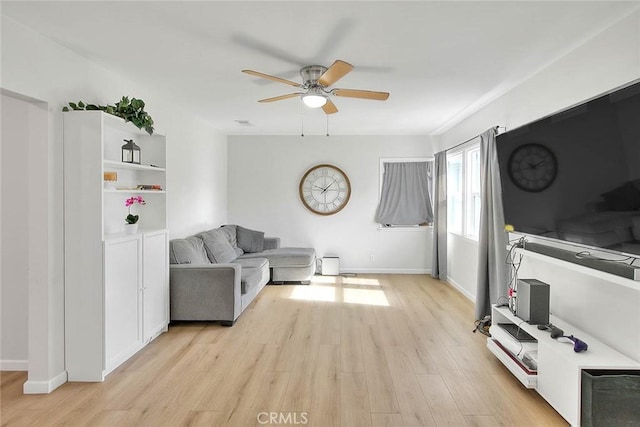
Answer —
131 228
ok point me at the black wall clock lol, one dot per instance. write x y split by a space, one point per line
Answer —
532 167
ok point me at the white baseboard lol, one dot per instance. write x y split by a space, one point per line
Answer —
14 365
460 289
385 270
44 387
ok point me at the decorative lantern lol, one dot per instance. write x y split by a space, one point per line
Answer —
130 152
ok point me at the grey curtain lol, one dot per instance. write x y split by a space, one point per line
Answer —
405 198
439 262
492 243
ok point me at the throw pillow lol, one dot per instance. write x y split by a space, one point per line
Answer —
230 232
218 248
187 251
250 240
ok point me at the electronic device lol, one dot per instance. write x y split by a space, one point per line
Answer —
578 345
532 304
554 330
330 266
517 332
569 176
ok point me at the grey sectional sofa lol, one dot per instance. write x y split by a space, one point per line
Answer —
216 274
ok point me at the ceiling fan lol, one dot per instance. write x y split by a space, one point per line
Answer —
317 80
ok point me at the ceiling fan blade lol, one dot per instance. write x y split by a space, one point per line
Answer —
274 78
364 94
335 72
281 97
329 107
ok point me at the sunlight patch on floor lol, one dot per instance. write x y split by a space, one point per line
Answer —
314 293
327 293
365 296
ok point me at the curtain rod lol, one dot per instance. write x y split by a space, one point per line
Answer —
497 127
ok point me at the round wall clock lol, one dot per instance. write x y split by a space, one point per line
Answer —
325 189
532 167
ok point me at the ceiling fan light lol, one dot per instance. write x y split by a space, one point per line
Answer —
314 100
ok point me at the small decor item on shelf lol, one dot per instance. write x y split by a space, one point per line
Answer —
109 180
149 187
130 152
131 225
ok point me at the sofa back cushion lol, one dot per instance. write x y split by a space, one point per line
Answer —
187 251
230 232
217 246
250 240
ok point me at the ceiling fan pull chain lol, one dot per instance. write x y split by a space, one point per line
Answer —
302 119
327 116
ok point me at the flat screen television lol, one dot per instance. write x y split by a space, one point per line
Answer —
574 176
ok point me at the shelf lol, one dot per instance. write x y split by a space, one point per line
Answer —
131 166
109 190
597 356
116 284
529 380
140 232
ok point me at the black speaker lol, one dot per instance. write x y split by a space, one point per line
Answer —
532 301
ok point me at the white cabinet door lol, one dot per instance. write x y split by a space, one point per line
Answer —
122 299
155 284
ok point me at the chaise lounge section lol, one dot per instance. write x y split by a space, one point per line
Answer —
215 275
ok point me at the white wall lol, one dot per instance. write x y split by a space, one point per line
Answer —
608 60
264 173
37 67
14 282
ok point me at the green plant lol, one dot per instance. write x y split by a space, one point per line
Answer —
130 110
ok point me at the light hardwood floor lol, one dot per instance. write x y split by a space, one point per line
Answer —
371 350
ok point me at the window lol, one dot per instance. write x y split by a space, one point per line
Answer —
463 191
406 187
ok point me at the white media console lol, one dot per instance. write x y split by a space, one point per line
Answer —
595 306
558 378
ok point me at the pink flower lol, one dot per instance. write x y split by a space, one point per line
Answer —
133 200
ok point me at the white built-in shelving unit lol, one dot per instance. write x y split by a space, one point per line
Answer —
116 284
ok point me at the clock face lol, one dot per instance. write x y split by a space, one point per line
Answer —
532 167
325 189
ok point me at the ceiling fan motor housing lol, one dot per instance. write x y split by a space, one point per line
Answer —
311 74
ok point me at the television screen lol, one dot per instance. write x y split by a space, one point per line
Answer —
575 175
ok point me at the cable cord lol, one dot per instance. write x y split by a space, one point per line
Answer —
586 254
514 261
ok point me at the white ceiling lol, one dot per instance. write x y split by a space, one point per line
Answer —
440 60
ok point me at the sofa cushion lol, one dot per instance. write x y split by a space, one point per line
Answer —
285 257
187 251
217 246
250 241
230 232
251 272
